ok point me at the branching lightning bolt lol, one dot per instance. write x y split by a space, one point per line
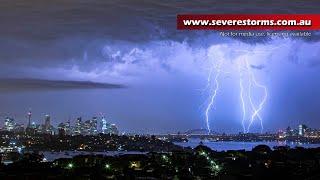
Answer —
256 111
242 99
214 91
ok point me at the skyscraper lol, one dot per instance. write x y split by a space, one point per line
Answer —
93 125
289 131
302 129
47 123
67 128
104 125
114 129
78 126
29 118
108 128
9 124
89 127
29 130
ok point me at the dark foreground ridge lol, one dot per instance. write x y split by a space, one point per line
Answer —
198 163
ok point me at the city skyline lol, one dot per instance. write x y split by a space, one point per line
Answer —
92 126
72 126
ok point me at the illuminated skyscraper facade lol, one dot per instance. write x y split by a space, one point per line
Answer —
108 128
302 129
47 123
9 124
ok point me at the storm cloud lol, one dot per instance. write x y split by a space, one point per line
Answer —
48 33
42 84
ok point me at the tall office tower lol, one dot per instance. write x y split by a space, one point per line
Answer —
9 124
61 129
114 129
302 129
93 125
78 126
68 128
89 127
104 125
289 131
29 129
85 127
47 124
29 118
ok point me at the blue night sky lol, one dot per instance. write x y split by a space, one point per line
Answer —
164 72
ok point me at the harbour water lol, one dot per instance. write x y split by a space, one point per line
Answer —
51 156
214 145
236 145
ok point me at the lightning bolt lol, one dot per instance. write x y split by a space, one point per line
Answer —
214 92
252 78
256 111
242 99
209 79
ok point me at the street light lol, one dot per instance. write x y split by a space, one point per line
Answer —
70 166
